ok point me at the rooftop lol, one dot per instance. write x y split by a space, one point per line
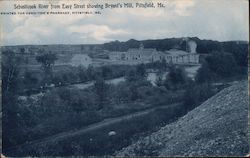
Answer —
176 52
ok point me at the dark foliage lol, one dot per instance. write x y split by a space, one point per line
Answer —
101 91
176 78
222 63
196 94
10 72
47 60
238 48
204 74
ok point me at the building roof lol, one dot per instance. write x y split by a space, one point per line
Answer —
176 52
116 53
144 49
147 51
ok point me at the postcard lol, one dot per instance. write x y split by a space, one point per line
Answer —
124 78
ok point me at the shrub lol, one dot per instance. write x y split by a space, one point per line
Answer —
51 103
176 78
82 74
101 91
131 76
204 74
222 63
196 94
47 60
141 70
147 148
120 93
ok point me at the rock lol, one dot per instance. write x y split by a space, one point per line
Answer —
112 133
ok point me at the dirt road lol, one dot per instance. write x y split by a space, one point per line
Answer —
95 126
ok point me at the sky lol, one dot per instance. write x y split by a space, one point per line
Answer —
221 20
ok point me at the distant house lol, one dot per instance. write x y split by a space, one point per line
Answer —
146 55
181 57
81 60
137 55
189 56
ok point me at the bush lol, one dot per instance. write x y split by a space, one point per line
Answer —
196 94
120 93
164 98
101 91
222 63
131 76
204 74
176 78
81 101
82 74
30 81
51 104
147 148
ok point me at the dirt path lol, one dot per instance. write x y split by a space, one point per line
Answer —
95 126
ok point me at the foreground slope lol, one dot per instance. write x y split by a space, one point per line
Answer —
218 127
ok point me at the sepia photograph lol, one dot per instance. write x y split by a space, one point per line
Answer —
162 78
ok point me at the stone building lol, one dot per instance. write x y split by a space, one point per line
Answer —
189 56
146 55
181 57
137 55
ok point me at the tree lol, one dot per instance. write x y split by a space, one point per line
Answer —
30 81
196 94
91 73
15 117
47 60
131 76
239 51
137 74
101 89
106 72
10 71
222 63
176 78
134 95
81 101
141 71
159 79
121 92
204 74
82 74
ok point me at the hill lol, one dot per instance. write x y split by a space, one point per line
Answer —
218 127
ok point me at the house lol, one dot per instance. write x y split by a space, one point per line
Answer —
137 55
147 55
181 57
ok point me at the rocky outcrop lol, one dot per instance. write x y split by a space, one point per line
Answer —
218 127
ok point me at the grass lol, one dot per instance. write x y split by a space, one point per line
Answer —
97 142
